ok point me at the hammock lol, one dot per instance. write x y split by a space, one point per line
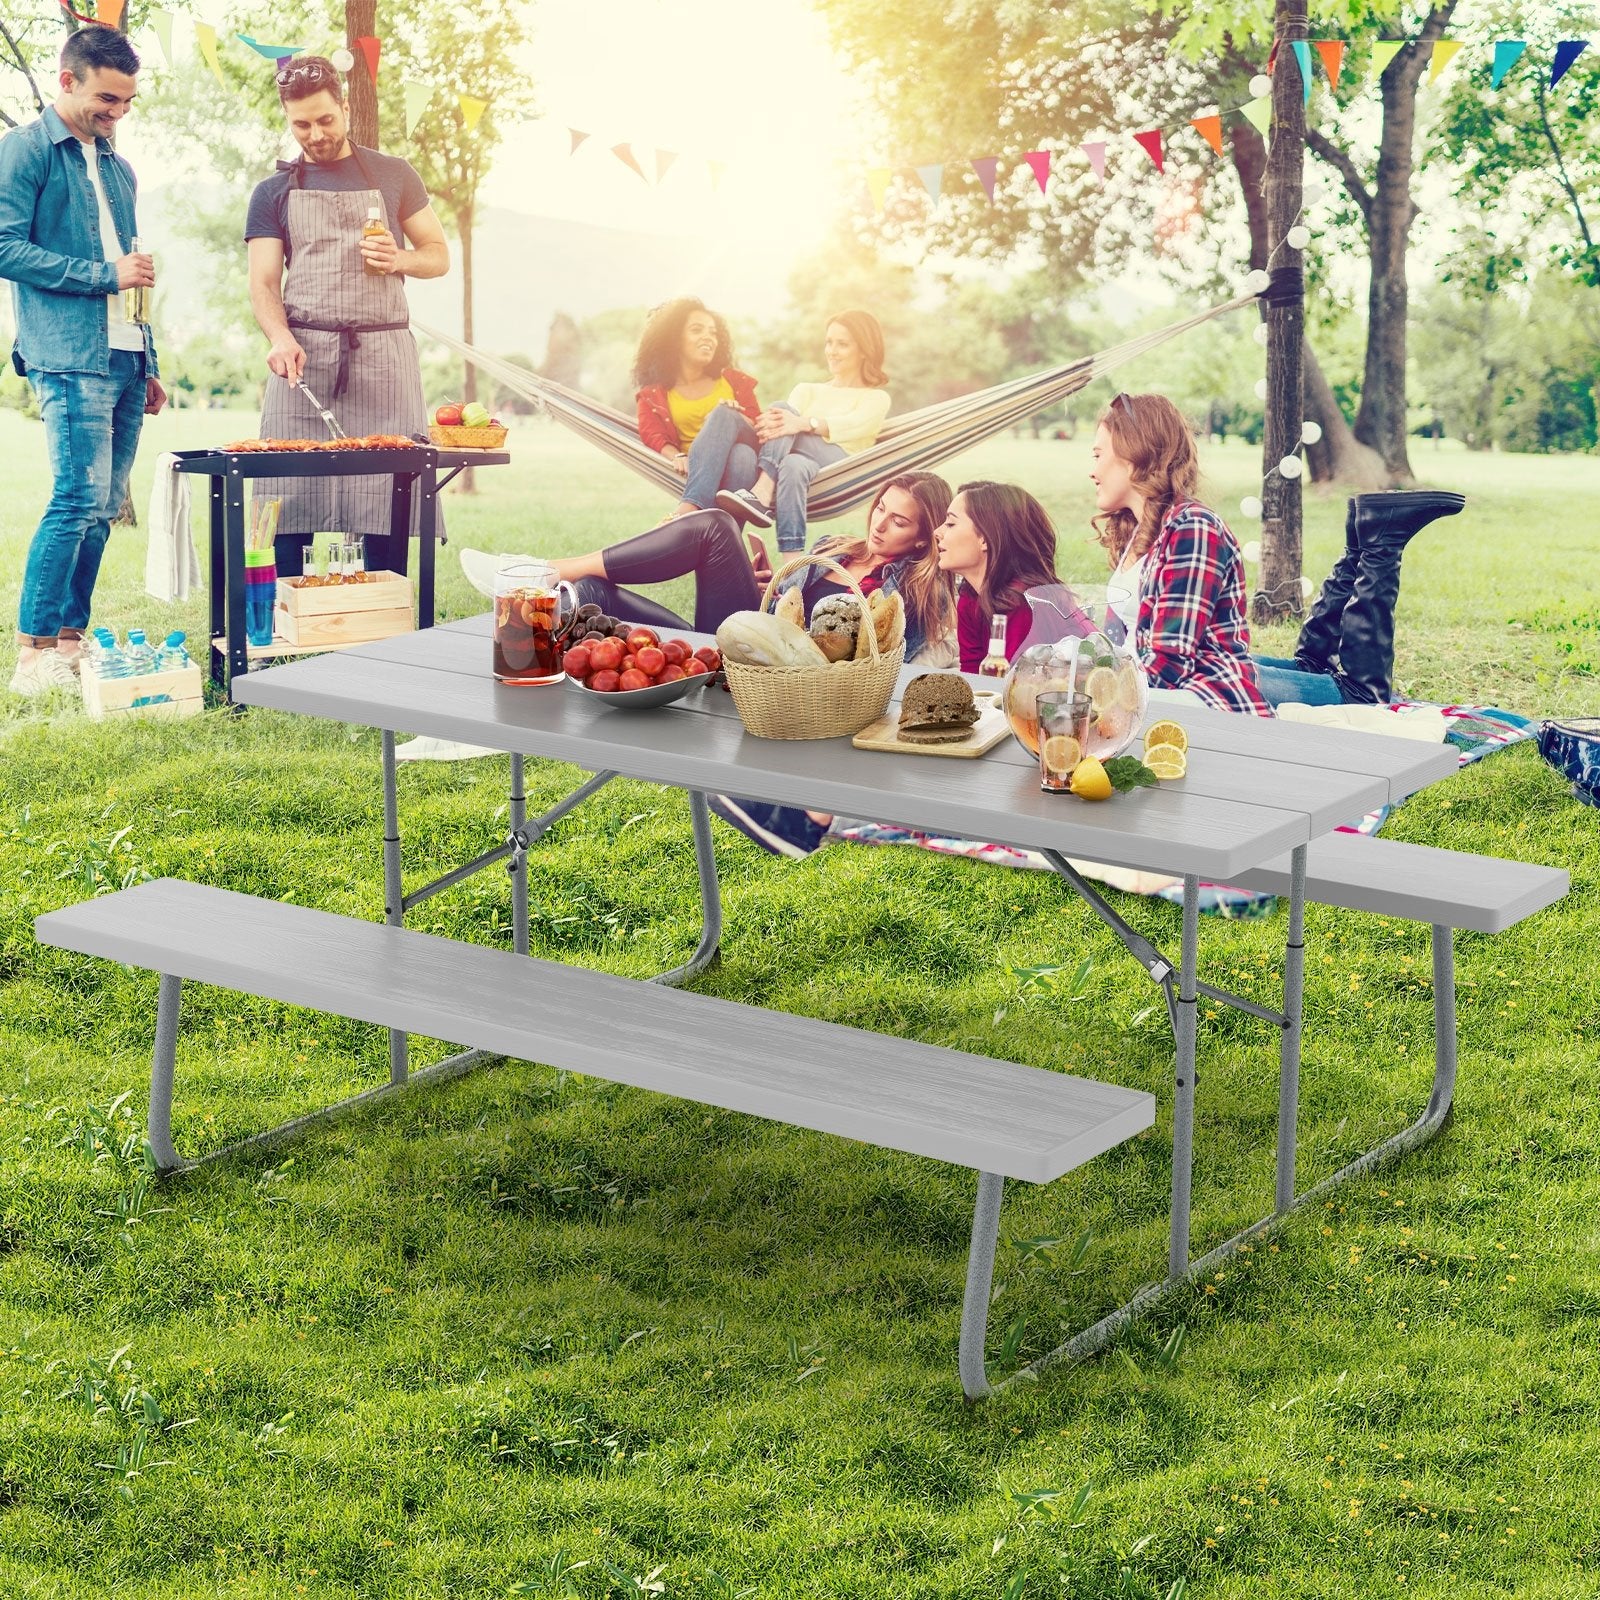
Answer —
914 441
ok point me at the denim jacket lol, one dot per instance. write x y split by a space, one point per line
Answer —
889 577
50 246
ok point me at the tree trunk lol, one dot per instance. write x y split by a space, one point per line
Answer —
469 382
1381 419
1338 456
361 22
1278 597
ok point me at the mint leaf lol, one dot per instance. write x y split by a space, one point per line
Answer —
1129 772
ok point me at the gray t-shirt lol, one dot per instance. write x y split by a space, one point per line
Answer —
394 178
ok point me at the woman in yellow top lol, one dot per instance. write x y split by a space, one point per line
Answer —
822 423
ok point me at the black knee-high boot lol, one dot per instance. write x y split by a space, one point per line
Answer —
1385 523
1318 643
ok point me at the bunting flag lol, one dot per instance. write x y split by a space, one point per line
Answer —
1506 55
1209 129
369 48
109 12
206 37
472 110
664 160
90 22
624 154
1302 56
1096 152
576 138
1152 145
273 52
1332 53
1443 53
1260 113
932 180
878 185
1383 52
161 21
417 96
1039 161
986 167
1567 52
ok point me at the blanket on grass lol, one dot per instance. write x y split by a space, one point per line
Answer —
1474 731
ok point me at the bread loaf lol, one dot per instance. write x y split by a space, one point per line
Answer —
889 623
792 606
755 639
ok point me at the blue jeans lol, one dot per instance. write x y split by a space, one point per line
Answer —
91 433
792 462
723 456
1283 683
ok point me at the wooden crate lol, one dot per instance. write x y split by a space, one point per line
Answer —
151 694
332 614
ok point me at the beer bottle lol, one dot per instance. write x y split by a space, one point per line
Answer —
372 227
995 665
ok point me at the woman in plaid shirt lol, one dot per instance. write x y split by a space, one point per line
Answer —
1182 567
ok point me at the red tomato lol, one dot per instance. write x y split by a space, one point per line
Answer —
576 661
712 658
676 652
604 682
634 679
448 416
640 637
651 661
694 665
607 655
671 673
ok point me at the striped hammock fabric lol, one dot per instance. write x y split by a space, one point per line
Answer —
914 441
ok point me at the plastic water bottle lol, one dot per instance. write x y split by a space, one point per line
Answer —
140 656
107 660
172 654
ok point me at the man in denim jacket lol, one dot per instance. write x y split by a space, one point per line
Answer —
66 243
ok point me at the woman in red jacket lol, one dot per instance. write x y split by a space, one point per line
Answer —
696 409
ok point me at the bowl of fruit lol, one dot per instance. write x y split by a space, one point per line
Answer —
466 427
625 664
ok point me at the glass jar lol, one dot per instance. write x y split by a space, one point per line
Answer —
532 612
1077 644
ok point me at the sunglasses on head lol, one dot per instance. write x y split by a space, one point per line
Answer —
308 72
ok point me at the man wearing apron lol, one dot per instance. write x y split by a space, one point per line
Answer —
332 304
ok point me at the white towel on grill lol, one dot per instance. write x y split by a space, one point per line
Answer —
171 567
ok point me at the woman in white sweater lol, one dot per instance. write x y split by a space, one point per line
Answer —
822 423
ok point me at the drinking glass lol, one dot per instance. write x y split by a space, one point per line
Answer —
532 609
1063 737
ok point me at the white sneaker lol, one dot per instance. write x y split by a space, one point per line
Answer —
44 672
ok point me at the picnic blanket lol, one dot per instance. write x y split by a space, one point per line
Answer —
1474 731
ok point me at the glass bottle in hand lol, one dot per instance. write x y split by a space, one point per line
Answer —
372 229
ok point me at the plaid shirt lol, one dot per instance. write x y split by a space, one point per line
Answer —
1193 631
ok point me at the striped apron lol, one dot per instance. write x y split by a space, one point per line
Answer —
361 362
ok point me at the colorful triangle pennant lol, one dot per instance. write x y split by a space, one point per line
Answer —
109 12
1444 51
472 109
1302 56
932 180
1096 152
1209 129
664 160
986 167
1383 52
1039 162
624 154
878 185
1260 113
417 96
1507 53
161 21
1567 52
576 138
1332 53
206 37
1151 142
370 49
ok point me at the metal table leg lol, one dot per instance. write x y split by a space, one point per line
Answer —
161 1072
1294 994
705 861
980 1281
427 552
219 584
518 867
393 897
233 544
1183 1100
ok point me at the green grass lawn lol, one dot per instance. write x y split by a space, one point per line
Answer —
456 1345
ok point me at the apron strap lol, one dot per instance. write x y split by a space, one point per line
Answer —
349 343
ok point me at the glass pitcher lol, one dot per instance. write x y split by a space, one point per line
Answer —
1078 644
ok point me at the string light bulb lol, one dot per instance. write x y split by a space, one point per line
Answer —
1251 551
1310 433
1261 335
1250 506
1260 85
1305 587
1256 281
1290 467
1312 194
341 60
1261 388
1298 237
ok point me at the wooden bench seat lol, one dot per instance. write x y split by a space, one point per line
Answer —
1000 1118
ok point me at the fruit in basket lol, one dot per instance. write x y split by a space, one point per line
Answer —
448 416
475 415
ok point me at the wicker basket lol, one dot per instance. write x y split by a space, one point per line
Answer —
467 438
823 702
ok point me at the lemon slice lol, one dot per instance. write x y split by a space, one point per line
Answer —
1102 688
1170 733
1167 761
1062 752
1090 781
1128 676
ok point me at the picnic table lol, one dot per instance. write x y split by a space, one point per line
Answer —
1260 794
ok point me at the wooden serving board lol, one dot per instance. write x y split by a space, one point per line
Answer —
990 728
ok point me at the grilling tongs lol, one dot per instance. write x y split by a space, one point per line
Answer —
331 422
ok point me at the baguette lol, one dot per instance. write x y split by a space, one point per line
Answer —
888 613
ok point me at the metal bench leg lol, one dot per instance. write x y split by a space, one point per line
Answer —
518 867
980 1283
161 1070
1294 994
1183 1100
393 896
710 896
